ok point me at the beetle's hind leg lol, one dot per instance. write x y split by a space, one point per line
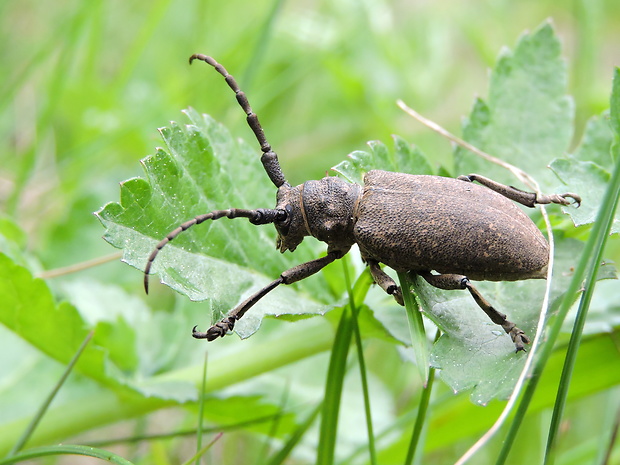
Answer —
384 281
456 281
529 199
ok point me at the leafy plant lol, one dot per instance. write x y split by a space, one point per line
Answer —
142 359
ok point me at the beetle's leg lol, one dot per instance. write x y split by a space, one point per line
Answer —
456 281
529 199
297 273
384 281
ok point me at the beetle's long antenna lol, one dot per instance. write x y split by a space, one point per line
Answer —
259 216
269 157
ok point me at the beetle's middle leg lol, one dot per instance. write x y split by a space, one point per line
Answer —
529 199
297 273
456 281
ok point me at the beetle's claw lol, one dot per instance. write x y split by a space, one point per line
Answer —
576 199
219 329
519 338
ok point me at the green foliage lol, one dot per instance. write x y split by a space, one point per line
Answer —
528 118
86 83
217 262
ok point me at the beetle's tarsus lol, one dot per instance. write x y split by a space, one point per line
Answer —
384 281
397 293
517 335
576 199
219 329
561 199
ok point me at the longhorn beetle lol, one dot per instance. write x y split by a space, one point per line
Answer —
445 230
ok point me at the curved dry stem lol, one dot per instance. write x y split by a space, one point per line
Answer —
79 266
518 172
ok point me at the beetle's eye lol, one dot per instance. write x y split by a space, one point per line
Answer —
283 221
282 216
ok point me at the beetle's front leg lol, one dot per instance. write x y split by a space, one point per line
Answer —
297 273
529 199
455 281
384 281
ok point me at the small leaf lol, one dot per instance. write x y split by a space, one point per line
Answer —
596 143
588 171
409 158
28 309
406 158
204 169
590 181
528 119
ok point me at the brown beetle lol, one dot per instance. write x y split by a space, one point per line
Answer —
446 230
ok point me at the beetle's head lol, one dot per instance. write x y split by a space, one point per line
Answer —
323 209
291 230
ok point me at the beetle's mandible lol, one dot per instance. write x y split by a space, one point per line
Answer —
445 230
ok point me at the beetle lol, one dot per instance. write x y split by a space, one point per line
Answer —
446 230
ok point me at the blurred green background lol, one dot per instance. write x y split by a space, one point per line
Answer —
86 84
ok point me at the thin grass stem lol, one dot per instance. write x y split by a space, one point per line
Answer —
362 366
48 400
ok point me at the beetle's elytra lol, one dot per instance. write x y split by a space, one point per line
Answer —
446 230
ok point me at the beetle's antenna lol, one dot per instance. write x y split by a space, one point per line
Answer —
260 216
269 157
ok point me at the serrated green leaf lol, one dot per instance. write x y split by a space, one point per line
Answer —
28 308
528 119
203 169
473 352
405 158
409 158
590 181
588 171
596 143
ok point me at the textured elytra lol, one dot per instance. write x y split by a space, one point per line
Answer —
424 223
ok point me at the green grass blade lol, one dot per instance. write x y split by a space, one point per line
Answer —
66 450
46 403
420 421
152 20
362 366
261 457
185 432
611 424
201 403
601 232
416 328
333 390
55 90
